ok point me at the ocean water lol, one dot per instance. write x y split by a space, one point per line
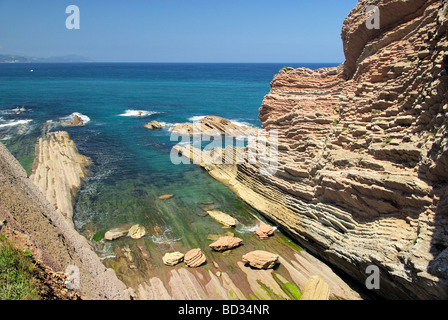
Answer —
131 164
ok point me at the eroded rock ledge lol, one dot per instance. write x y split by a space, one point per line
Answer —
363 152
59 170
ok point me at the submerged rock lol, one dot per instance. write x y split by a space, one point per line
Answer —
226 243
223 218
264 231
167 196
173 258
117 232
261 259
153 125
137 232
194 258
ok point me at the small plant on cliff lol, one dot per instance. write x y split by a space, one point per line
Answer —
386 142
16 270
336 122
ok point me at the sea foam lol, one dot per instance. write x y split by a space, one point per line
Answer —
138 113
14 123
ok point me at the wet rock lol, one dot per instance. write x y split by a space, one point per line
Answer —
215 237
261 259
194 258
222 218
226 243
137 232
316 289
173 258
166 197
117 232
153 125
265 231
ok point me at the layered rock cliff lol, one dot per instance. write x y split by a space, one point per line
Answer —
363 152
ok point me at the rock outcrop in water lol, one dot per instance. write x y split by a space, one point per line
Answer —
363 152
214 125
59 170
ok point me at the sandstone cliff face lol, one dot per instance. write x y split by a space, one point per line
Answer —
363 152
59 170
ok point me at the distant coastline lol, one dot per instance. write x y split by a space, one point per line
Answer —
73 58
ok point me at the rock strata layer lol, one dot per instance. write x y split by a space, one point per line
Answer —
59 170
173 258
226 243
194 258
362 152
214 125
261 259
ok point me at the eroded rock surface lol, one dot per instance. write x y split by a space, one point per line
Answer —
59 170
362 151
226 243
261 259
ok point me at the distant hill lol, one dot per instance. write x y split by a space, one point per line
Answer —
8 58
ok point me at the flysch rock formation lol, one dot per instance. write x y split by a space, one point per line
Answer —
34 224
214 125
58 170
363 152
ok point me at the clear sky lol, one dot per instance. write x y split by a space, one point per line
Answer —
178 30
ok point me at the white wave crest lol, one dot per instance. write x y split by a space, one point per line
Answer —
138 113
196 118
85 119
14 123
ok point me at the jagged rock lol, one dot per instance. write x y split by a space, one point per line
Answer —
117 232
137 232
226 243
264 231
315 289
223 218
194 258
153 125
173 258
261 259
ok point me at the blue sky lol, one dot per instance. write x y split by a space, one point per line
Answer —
178 30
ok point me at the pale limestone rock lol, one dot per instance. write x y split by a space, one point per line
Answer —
173 258
265 231
117 232
226 243
261 259
222 218
137 232
316 289
194 258
59 170
153 125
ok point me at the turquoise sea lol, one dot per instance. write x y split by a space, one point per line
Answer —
131 164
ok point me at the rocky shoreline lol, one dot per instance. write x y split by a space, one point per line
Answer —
362 177
34 224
